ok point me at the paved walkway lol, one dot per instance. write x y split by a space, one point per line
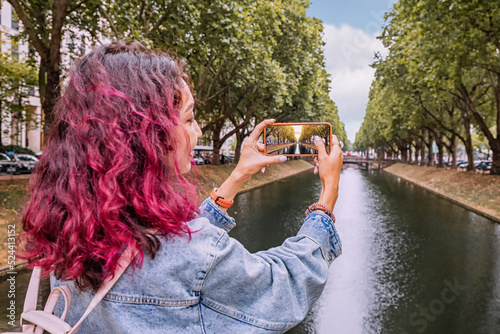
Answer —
8 176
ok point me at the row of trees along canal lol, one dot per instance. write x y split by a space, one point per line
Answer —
248 59
440 81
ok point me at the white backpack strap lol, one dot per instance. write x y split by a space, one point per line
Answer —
45 320
31 298
124 261
50 305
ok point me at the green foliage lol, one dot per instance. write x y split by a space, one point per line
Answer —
17 78
309 131
281 134
43 23
16 149
440 78
248 59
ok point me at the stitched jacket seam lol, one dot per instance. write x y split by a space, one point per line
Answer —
149 300
211 264
250 320
317 243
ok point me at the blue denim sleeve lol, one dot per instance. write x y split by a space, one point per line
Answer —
273 289
215 215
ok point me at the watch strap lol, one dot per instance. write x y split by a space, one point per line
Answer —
220 201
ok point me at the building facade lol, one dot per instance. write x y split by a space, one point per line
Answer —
12 131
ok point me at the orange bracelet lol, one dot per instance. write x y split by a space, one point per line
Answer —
220 201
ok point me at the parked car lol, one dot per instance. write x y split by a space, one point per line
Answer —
198 160
7 165
484 166
207 159
26 163
225 159
450 162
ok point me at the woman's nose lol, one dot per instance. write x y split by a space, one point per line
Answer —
198 131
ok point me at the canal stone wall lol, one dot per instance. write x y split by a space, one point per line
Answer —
479 193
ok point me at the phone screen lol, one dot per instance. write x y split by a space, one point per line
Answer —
296 139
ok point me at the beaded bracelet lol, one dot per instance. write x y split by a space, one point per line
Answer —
322 207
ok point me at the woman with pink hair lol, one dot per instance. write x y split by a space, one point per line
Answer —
114 174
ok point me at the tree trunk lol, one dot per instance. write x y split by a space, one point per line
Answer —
440 156
470 152
468 138
49 98
240 136
421 145
495 142
430 162
440 145
404 154
422 153
415 152
453 152
430 156
495 165
216 143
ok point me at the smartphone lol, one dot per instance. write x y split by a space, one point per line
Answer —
296 139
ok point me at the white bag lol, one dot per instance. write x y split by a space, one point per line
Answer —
46 320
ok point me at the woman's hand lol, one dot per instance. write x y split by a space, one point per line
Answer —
329 167
252 159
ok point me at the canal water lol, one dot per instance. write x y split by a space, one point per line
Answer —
297 148
411 263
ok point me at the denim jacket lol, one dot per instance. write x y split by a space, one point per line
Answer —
212 284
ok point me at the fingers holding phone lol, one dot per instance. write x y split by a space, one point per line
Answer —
329 167
253 157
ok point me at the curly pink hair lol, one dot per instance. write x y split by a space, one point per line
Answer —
107 174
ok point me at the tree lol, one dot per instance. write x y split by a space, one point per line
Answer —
440 78
44 22
454 50
248 59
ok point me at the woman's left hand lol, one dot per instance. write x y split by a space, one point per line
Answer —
253 157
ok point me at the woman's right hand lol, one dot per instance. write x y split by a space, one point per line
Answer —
329 167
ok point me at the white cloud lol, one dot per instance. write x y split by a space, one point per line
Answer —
348 54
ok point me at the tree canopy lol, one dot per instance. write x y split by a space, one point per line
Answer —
248 59
440 81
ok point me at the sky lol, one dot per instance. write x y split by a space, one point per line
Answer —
351 28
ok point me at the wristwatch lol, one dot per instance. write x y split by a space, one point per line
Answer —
220 201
